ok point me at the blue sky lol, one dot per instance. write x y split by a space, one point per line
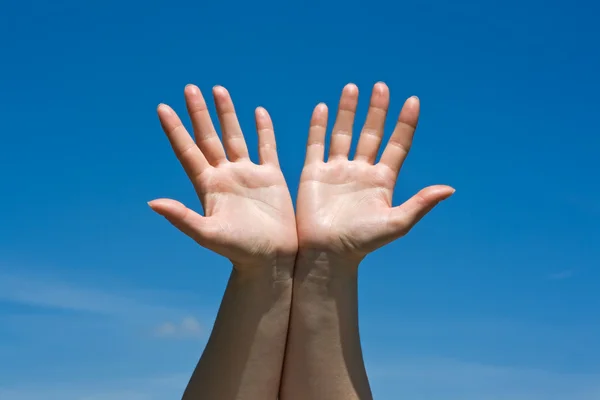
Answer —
494 296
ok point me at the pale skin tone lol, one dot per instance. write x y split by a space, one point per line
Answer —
248 218
344 211
345 206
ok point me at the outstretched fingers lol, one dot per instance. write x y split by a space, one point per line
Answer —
267 147
401 140
204 131
315 146
233 139
372 132
188 154
341 135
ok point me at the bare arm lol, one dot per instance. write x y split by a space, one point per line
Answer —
244 354
324 358
249 219
344 212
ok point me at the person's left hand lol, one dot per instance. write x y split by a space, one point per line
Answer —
249 216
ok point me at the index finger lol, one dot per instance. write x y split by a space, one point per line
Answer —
186 150
401 140
204 131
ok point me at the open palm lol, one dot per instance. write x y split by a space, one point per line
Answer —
345 206
249 216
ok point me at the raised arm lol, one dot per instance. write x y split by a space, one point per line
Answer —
249 219
344 211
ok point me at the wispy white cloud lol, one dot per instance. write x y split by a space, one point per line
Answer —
188 327
129 311
93 331
49 293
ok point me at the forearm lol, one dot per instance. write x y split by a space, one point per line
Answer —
244 355
323 357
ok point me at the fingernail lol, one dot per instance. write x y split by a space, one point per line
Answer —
191 88
380 87
162 107
219 91
351 88
449 195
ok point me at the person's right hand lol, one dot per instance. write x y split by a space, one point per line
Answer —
345 206
249 216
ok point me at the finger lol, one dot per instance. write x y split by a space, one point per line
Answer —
372 132
405 216
315 147
233 139
204 131
267 147
187 221
341 136
399 144
188 154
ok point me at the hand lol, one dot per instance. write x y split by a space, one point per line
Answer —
345 206
249 216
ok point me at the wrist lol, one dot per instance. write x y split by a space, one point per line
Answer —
279 267
323 282
325 264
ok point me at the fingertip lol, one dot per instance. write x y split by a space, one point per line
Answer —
446 191
156 204
446 195
319 115
437 193
321 108
410 112
412 101
351 89
163 206
380 88
261 112
191 90
263 119
164 109
220 91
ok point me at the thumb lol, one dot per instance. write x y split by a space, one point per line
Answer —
186 220
405 216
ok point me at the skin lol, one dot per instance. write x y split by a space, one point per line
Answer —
344 212
248 218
